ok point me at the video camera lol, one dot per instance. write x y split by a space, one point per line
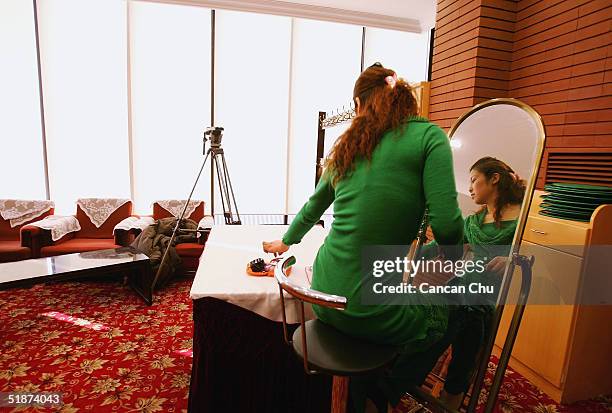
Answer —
215 134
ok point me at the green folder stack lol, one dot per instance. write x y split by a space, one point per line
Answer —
573 201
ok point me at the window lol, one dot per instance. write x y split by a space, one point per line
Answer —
84 77
170 78
326 63
273 74
251 103
22 167
406 53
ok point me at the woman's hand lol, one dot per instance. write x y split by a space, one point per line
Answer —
275 247
497 265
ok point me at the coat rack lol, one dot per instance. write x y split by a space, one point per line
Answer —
326 121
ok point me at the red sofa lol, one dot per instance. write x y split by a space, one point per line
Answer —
89 238
14 245
189 251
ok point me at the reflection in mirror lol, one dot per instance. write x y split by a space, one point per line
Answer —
497 148
502 130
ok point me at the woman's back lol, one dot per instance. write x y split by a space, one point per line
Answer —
382 173
381 203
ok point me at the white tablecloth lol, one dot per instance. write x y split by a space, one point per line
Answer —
222 270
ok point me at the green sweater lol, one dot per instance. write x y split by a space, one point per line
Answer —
381 203
486 241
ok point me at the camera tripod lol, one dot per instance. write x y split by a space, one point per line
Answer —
218 167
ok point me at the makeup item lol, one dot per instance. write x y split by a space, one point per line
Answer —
259 268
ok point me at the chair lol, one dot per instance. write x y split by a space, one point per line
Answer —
188 251
88 238
13 245
322 348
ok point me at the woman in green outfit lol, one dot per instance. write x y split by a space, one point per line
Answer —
489 234
381 175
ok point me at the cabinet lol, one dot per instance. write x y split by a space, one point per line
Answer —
563 348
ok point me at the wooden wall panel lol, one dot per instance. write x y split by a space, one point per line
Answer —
454 60
472 55
554 55
558 67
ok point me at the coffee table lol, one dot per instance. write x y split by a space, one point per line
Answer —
135 265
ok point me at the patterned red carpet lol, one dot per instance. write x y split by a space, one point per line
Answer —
519 396
99 345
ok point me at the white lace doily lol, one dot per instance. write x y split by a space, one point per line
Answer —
18 211
175 206
99 209
207 222
134 223
58 225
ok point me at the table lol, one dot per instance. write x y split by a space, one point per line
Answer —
240 359
27 273
222 270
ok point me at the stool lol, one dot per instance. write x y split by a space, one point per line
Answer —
322 348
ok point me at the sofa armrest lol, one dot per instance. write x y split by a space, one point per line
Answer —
60 228
122 231
122 237
207 222
203 236
204 227
36 238
127 230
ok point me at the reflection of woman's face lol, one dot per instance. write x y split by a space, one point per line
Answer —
481 189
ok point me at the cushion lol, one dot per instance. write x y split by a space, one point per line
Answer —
337 354
13 251
159 212
8 233
78 245
89 230
189 249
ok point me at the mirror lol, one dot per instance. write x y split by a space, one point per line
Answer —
508 130
512 132
505 129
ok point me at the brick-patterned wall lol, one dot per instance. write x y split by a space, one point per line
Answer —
472 56
562 67
555 55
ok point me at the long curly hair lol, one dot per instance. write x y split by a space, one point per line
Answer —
510 187
383 105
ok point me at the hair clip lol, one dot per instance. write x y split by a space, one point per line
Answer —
391 80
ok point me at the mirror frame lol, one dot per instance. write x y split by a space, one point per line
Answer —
482 361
